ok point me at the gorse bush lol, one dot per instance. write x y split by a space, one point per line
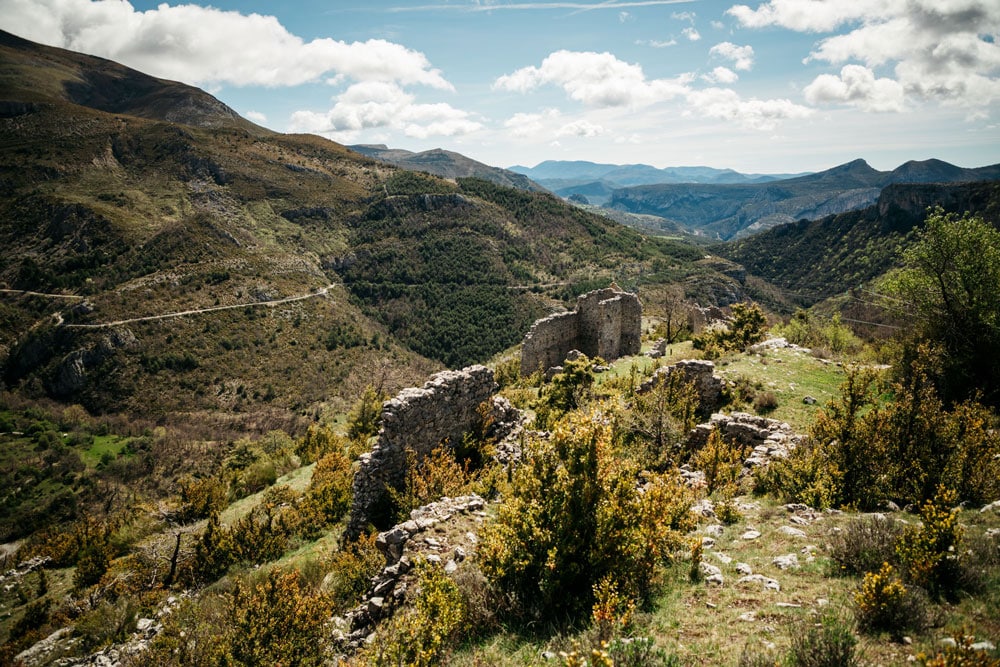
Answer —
930 553
884 603
576 516
721 461
276 620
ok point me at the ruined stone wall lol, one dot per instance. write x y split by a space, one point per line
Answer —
607 323
420 419
548 341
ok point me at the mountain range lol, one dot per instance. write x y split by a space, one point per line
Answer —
730 210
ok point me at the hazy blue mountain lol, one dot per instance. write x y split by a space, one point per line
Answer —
727 211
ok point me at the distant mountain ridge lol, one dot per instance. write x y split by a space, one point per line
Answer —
728 211
636 174
446 164
597 181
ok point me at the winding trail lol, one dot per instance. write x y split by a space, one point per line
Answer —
323 291
25 292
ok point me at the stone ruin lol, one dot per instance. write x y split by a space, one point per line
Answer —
765 438
607 323
417 419
701 373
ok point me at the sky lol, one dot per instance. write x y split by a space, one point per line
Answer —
782 86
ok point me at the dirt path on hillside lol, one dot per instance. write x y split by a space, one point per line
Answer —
323 291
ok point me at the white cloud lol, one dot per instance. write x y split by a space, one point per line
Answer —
741 56
721 75
614 88
856 86
595 79
580 128
943 50
657 44
377 104
625 17
757 114
684 16
207 46
809 15
691 34
531 124
256 117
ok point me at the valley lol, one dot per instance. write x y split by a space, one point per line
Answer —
233 428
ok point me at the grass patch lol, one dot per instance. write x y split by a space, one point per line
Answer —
791 376
103 448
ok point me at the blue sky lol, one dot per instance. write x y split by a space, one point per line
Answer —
763 87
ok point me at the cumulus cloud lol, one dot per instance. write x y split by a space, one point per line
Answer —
726 104
379 104
530 124
580 128
684 16
945 50
741 56
721 75
595 79
612 86
856 86
256 117
691 34
208 46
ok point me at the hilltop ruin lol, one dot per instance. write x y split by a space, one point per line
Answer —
607 323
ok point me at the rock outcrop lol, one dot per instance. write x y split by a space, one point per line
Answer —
607 323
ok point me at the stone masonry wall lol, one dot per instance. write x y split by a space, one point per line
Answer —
420 419
548 341
607 323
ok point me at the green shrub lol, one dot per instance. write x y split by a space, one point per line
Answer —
107 623
654 428
866 451
747 326
574 516
864 544
831 644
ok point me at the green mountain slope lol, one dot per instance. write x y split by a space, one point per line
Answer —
187 260
814 259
